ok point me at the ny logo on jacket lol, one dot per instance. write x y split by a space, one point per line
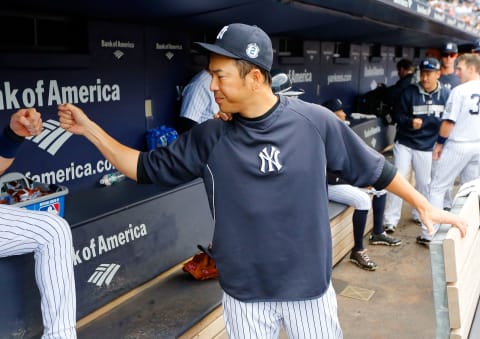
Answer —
269 159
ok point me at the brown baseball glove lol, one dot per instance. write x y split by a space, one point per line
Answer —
202 266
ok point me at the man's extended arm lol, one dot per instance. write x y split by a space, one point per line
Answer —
124 158
428 213
23 123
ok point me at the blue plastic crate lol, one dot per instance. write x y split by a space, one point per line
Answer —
53 202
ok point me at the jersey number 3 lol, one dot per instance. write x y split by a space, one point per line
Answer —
477 97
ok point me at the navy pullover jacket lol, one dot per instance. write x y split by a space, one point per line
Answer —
416 103
265 179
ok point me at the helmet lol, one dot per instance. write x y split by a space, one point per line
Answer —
333 104
281 84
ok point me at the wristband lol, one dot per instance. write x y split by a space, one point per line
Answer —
9 143
441 140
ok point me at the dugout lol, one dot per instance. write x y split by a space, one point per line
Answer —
125 63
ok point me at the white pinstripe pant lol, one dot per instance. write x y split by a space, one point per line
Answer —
49 238
457 159
350 195
304 319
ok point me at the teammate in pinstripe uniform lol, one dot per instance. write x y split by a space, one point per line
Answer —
198 103
418 119
359 198
265 177
448 57
476 50
45 235
457 150
362 203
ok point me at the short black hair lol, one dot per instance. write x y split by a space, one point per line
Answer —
405 64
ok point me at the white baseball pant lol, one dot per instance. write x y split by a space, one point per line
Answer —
457 158
406 159
350 195
49 238
315 318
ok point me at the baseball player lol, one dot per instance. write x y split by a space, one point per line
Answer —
448 55
361 202
418 119
44 234
336 106
342 192
406 77
198 103
359 198
457 149
265 177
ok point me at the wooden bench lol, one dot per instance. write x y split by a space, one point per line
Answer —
455 268
168 295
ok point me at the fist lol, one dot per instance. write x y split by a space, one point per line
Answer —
26 122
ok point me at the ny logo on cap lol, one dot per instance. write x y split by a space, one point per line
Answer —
252 50
222 32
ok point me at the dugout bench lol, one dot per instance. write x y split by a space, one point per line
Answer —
175 305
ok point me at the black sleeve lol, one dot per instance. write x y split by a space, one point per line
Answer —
184 124
388 173
183 160
334 179
142 177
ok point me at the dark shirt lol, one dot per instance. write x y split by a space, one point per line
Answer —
449 80
394 92
265 179
416 103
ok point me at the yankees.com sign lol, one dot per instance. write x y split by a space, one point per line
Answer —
52 93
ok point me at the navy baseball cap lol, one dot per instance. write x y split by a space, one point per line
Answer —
333 104
244 42
476 46
429 64
449 48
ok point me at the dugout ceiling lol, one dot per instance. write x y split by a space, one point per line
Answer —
405 23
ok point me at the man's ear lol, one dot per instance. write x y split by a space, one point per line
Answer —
256 77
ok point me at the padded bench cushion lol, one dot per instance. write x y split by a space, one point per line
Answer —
334 209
